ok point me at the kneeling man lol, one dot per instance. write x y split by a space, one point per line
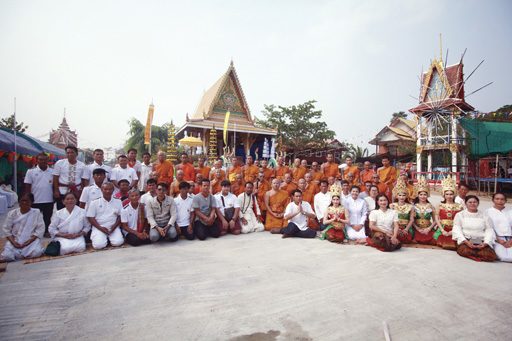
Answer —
133 221
250 214
297 213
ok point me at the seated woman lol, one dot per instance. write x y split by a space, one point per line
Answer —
334 219
446 213
69 226
355 210
404 210
473 232
501 220
424 214
384 226
24 229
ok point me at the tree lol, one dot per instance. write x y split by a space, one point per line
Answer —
299 125
136 137
399 114
8 122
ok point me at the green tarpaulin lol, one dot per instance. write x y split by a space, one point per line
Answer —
488 138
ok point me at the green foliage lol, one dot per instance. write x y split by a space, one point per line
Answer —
355 152
300 126
136 137
399 114
8 122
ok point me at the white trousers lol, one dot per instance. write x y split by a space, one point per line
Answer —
100 239
253 224
504 254
10 253
353 234
71 245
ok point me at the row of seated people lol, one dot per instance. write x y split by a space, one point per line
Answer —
484 236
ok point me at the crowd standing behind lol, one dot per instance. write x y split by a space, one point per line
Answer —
142 202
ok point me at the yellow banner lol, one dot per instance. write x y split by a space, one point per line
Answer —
226 121
149 122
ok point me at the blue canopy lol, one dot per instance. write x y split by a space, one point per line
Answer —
33 145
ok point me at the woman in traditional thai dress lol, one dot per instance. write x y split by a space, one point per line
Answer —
384 225
424 214
473 232
23 228
445 215
334 218
69 226
356 212
405 211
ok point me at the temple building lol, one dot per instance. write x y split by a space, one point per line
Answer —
397 140
243 136
63 136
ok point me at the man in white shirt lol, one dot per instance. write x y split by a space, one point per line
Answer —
228 210
39 182
151 192
93 191
322 200
123 172
97 163
132 161
146 168
161 214
184 211
104 214
133 221
250 214
67 176
297 213
463 190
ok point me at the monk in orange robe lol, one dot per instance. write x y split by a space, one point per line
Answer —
261 187
217 165
366 174
330 168
310 189
275 203
383 188
215 183
197 184
238 186
250 170
287 185
281 168
298 171
268 173
174 189
163 169
234 169
387 173
189 172
202 168
353 181
316 173
351 168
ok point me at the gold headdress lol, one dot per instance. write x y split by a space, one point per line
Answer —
335 190
449 184
421 186
400 187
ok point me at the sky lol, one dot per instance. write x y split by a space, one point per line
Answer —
105 61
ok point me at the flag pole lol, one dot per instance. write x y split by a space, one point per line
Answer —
15 151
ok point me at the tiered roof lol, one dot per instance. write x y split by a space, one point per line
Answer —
63 136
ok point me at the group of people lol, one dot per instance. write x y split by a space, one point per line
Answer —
144 202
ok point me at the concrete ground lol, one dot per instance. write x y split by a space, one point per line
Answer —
257 287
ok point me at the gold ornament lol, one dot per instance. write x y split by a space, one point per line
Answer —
335 190
400 187
449 184
421 186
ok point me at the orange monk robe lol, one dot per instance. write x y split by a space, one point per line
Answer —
367 176
277 204
216 188
281 171
233 172
237 188
174 190
197 189
204 171
317 176
383 189
222 174
331 169
189 172
262 187
250 173
298 173
289 187
388 175
165 171
355 172
309 193
268 173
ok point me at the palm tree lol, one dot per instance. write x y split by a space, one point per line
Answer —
136 139
355 152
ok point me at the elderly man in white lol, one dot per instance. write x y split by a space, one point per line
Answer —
250 213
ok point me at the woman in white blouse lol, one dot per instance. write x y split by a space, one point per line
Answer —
384 226
473 232
69 226
355 211
501 221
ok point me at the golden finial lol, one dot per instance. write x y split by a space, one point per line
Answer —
421 186
449 184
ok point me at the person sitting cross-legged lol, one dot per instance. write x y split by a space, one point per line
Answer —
161 214
228 210
250 215
133 220
297 213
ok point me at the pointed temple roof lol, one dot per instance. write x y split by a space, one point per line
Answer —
63 136
224 95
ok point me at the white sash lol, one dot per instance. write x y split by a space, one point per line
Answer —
69 221
27 223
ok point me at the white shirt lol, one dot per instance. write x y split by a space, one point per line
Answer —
68 174
130 216
467 225
41 184
370 202
64 222
344 197
183 209
300 219
321 202
501 221
145 172
357 210
90 168
230 200
127 173
105 212
90 193
384 220
145 199
461 201
137 166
